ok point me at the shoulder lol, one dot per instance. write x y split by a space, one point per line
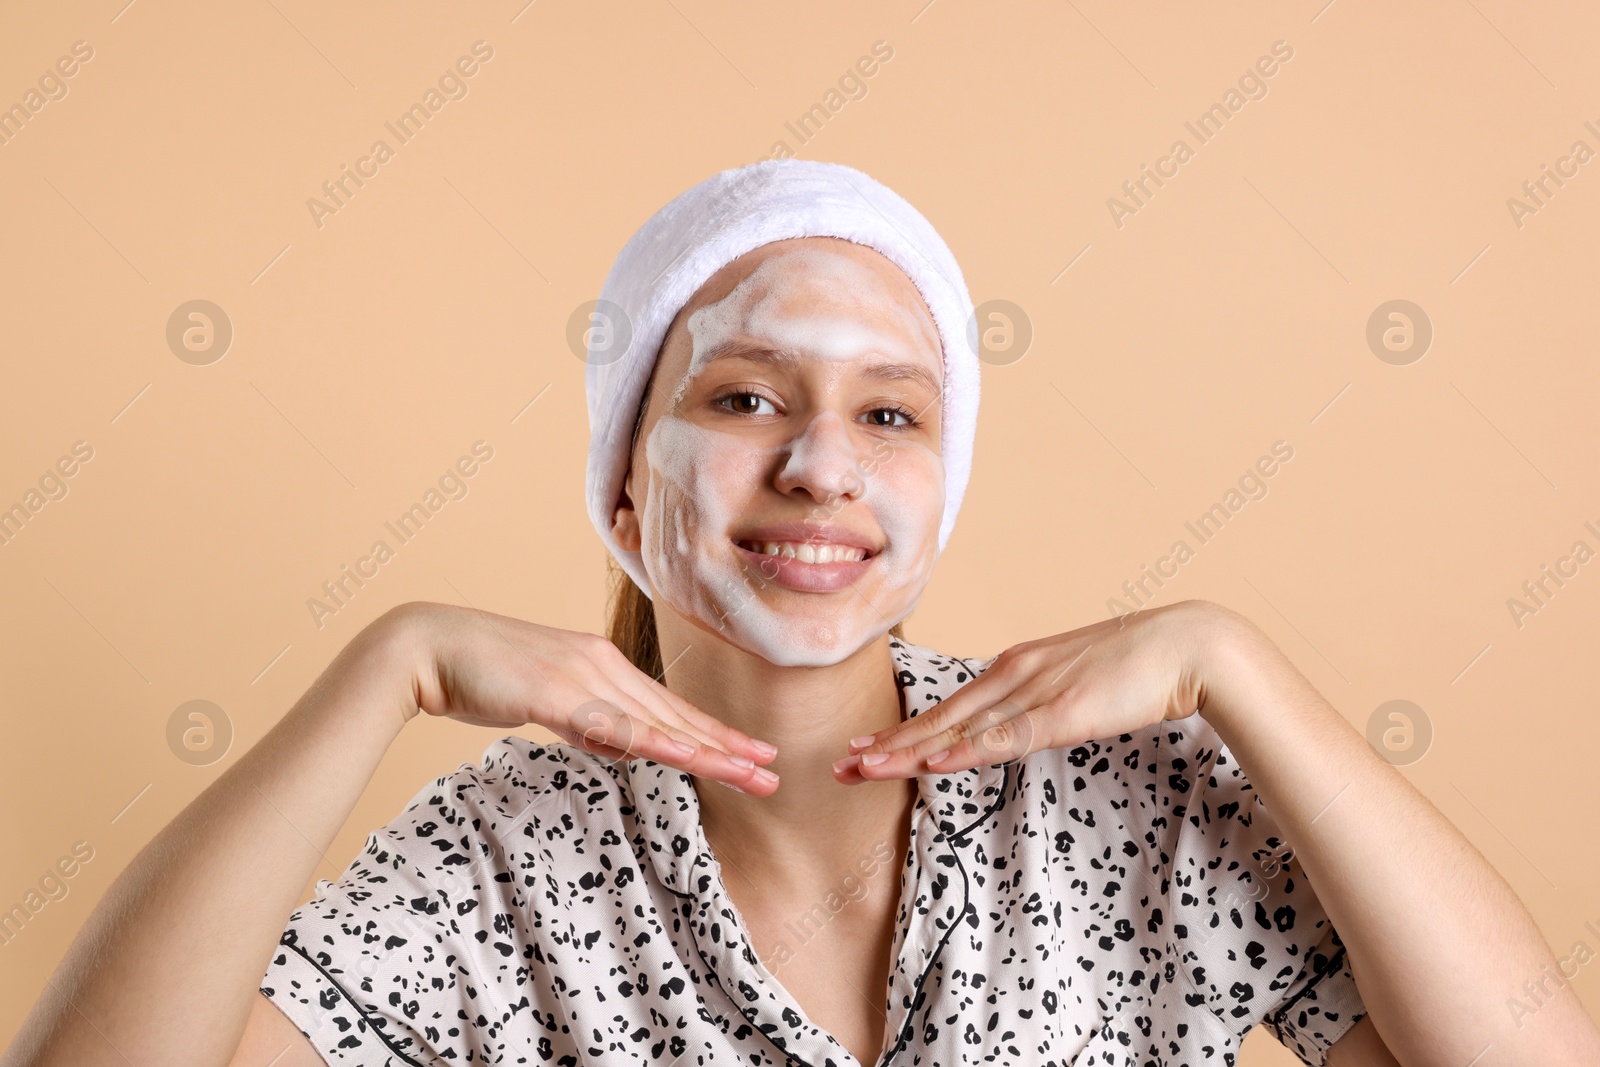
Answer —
1165 763
518 789
1170 758
927 675
514 769
1162 763
525 767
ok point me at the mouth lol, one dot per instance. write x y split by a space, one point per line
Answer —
807 566
808 551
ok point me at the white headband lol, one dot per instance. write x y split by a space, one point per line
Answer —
664 264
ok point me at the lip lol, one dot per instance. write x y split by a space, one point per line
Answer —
802 576
816 533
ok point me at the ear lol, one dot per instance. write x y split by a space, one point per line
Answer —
625 520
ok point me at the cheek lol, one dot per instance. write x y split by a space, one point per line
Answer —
699 479
907 496
731 468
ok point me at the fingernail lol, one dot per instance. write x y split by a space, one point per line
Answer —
741 760
766 776
939 757
684 749
863 741
872 759
766 749
846 764
730 785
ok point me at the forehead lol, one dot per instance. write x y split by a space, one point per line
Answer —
821 297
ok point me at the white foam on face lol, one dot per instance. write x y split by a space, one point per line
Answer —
755 308
709 478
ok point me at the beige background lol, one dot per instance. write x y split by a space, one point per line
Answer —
369 353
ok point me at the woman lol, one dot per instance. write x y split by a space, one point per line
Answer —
1045 857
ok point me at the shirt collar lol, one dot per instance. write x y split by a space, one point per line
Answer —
669 836
668 808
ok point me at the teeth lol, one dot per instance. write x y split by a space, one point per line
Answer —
806 552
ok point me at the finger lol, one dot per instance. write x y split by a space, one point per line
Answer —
1003 742
705 762
630 729
997 734
653 711
668 707
579 741
737 771
728 768
847 771
731 738
691 720
666 717
623 725
982 692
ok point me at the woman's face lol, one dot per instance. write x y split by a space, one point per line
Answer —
787 488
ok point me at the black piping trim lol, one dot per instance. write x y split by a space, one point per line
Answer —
999 801
966 906
711 972
383 1037
916 994
788 1057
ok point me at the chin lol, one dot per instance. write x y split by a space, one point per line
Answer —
794 634
785 626
802 639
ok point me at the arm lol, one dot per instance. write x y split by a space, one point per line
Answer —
1444 955
1359 1047
1438 942
166 968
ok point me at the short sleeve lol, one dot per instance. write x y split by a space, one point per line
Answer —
1257 946
408 957
1320 1005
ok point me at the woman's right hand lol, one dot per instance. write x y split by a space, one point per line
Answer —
493 670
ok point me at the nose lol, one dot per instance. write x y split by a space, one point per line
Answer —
821 461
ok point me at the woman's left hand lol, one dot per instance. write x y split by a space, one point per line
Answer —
1387 866
1113 677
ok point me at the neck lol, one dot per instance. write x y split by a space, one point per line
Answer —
813 826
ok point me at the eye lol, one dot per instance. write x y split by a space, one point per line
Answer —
741 402
893 412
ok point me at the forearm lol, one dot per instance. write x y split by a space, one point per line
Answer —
167 966
1436 939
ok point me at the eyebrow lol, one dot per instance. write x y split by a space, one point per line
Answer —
773 356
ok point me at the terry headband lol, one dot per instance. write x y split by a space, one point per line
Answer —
682 245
